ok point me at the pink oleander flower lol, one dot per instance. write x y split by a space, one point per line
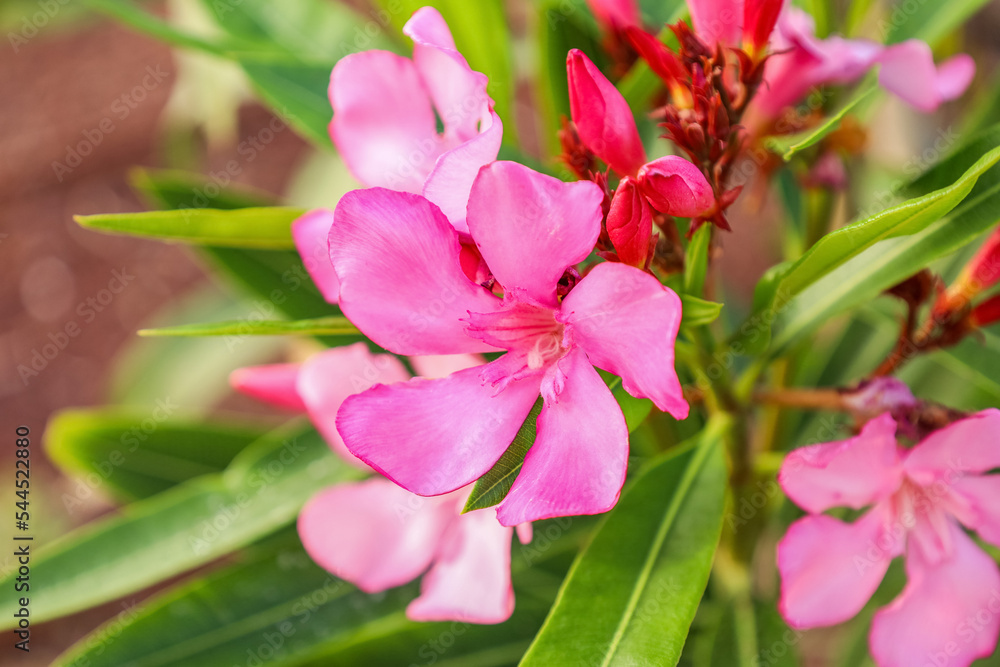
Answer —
726 22
801 62
616 15
384 121
671 184
373 533
949 612
404 284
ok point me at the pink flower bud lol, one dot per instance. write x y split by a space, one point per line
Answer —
630 224
676 187
603 117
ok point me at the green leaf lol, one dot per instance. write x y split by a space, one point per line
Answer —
322 326
630 597
787 146
276 278
696 261
185 527
275 598
493 487
137 454
296 92
174 189
929 21
859 261
242 228
699 312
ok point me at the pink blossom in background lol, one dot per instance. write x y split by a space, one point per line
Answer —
616 14
403 284
373 533
384 122
802 62
919 500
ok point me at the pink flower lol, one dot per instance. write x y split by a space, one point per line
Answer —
630 224
403 285
949 612
373 533
725 22
384 120
310 233
671 184
802 62
616 14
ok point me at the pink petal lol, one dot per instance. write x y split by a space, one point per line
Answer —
980 500
968 445
436 366
524 533
530 227
626 322
450 183
676 187
829 569
383 123
717 21
470 580
848 473
458 93
373 533
948 614
630 224
435 436
954 76
311 233
273 384
616 14
328 378
577 464
908 71
401 281
603 117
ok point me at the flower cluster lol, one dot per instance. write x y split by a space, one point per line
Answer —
509 291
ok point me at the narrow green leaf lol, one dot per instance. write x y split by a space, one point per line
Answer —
929 21
787 146
242 228
699 312
321 326
493 487
296 92
276 603
143 21
630 597
696 261
185 527
175 189
857 262
136 454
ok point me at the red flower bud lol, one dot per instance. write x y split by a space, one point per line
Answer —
676 187
982 272
630 224
987 312
603 117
